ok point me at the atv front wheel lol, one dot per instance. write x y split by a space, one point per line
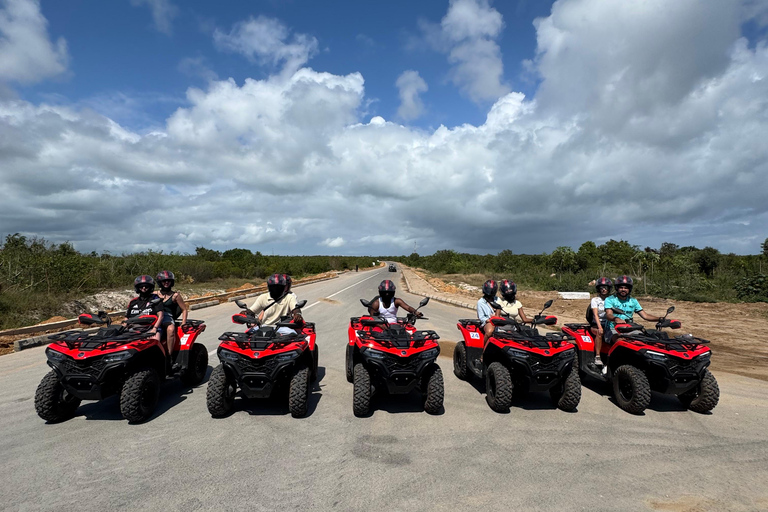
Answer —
298 394
567 394
53 403
361 401
349 363
198 366
460 361
433 389
140 394
704 397
498 387
631 389
220 396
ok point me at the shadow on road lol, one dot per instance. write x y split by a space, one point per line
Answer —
396 404
277 404
172 393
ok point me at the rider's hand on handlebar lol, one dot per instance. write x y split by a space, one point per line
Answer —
419 314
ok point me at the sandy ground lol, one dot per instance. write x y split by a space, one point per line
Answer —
737 332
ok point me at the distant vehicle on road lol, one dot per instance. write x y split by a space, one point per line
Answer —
392 267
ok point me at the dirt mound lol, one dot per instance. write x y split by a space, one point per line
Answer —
53 319
245 286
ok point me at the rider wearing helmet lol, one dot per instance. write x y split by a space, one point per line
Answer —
276 303
143 304
484 309
509 303
625 302
173 306
597 318
386 304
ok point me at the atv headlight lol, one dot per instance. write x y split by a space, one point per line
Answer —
118 356
375 354
702 357
226 355
429 354
656 356
520 354
288 356
55 355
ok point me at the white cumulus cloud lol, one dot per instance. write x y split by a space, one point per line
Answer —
27 54
333 242
163 12
410 85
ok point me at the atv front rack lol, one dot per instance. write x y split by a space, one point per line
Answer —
682 342
99 339
261 339
528 336
399 338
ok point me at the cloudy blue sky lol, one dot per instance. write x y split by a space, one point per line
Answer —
304 127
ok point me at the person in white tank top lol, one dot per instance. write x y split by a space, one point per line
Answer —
386 304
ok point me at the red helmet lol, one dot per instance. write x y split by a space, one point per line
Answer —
508 290
166 275
144 280
490 288
604 281
276 285
624 281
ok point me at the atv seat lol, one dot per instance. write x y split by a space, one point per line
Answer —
470 321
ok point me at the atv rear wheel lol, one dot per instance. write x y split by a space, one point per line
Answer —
460 361
198 366
704 397
140 394
298 394
631 389
567 394
315 361
433 389
498 387
53 402
361 401
220 396
349 363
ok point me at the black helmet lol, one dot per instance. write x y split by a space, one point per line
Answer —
165 275
276 285
624 281
508 290
387 289
604 281
144 280
490 288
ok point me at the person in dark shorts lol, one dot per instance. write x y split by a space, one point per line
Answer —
173 306
145 304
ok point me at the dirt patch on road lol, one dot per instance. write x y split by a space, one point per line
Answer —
736 331
329 301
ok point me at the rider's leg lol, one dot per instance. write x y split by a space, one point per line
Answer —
488 331
170 336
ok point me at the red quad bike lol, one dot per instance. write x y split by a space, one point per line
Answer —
517 359
394 357
260 361
117 360
643 360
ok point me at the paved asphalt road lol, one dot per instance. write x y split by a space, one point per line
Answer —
259 458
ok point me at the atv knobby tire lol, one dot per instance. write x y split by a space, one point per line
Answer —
298 393
220 396
498 387
433 389
567 394
52 402
361 401
140 394
631 389
460 361
198 366
349 364
704 397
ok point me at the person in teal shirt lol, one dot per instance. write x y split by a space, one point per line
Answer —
625 302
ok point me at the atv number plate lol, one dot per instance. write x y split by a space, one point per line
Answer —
184 339
474 335
586 339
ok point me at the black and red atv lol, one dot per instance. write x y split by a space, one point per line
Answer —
517 359
261 361
396 358
642 360
117 359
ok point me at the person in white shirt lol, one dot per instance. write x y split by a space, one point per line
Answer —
509 302
597 316
276 303
386 304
